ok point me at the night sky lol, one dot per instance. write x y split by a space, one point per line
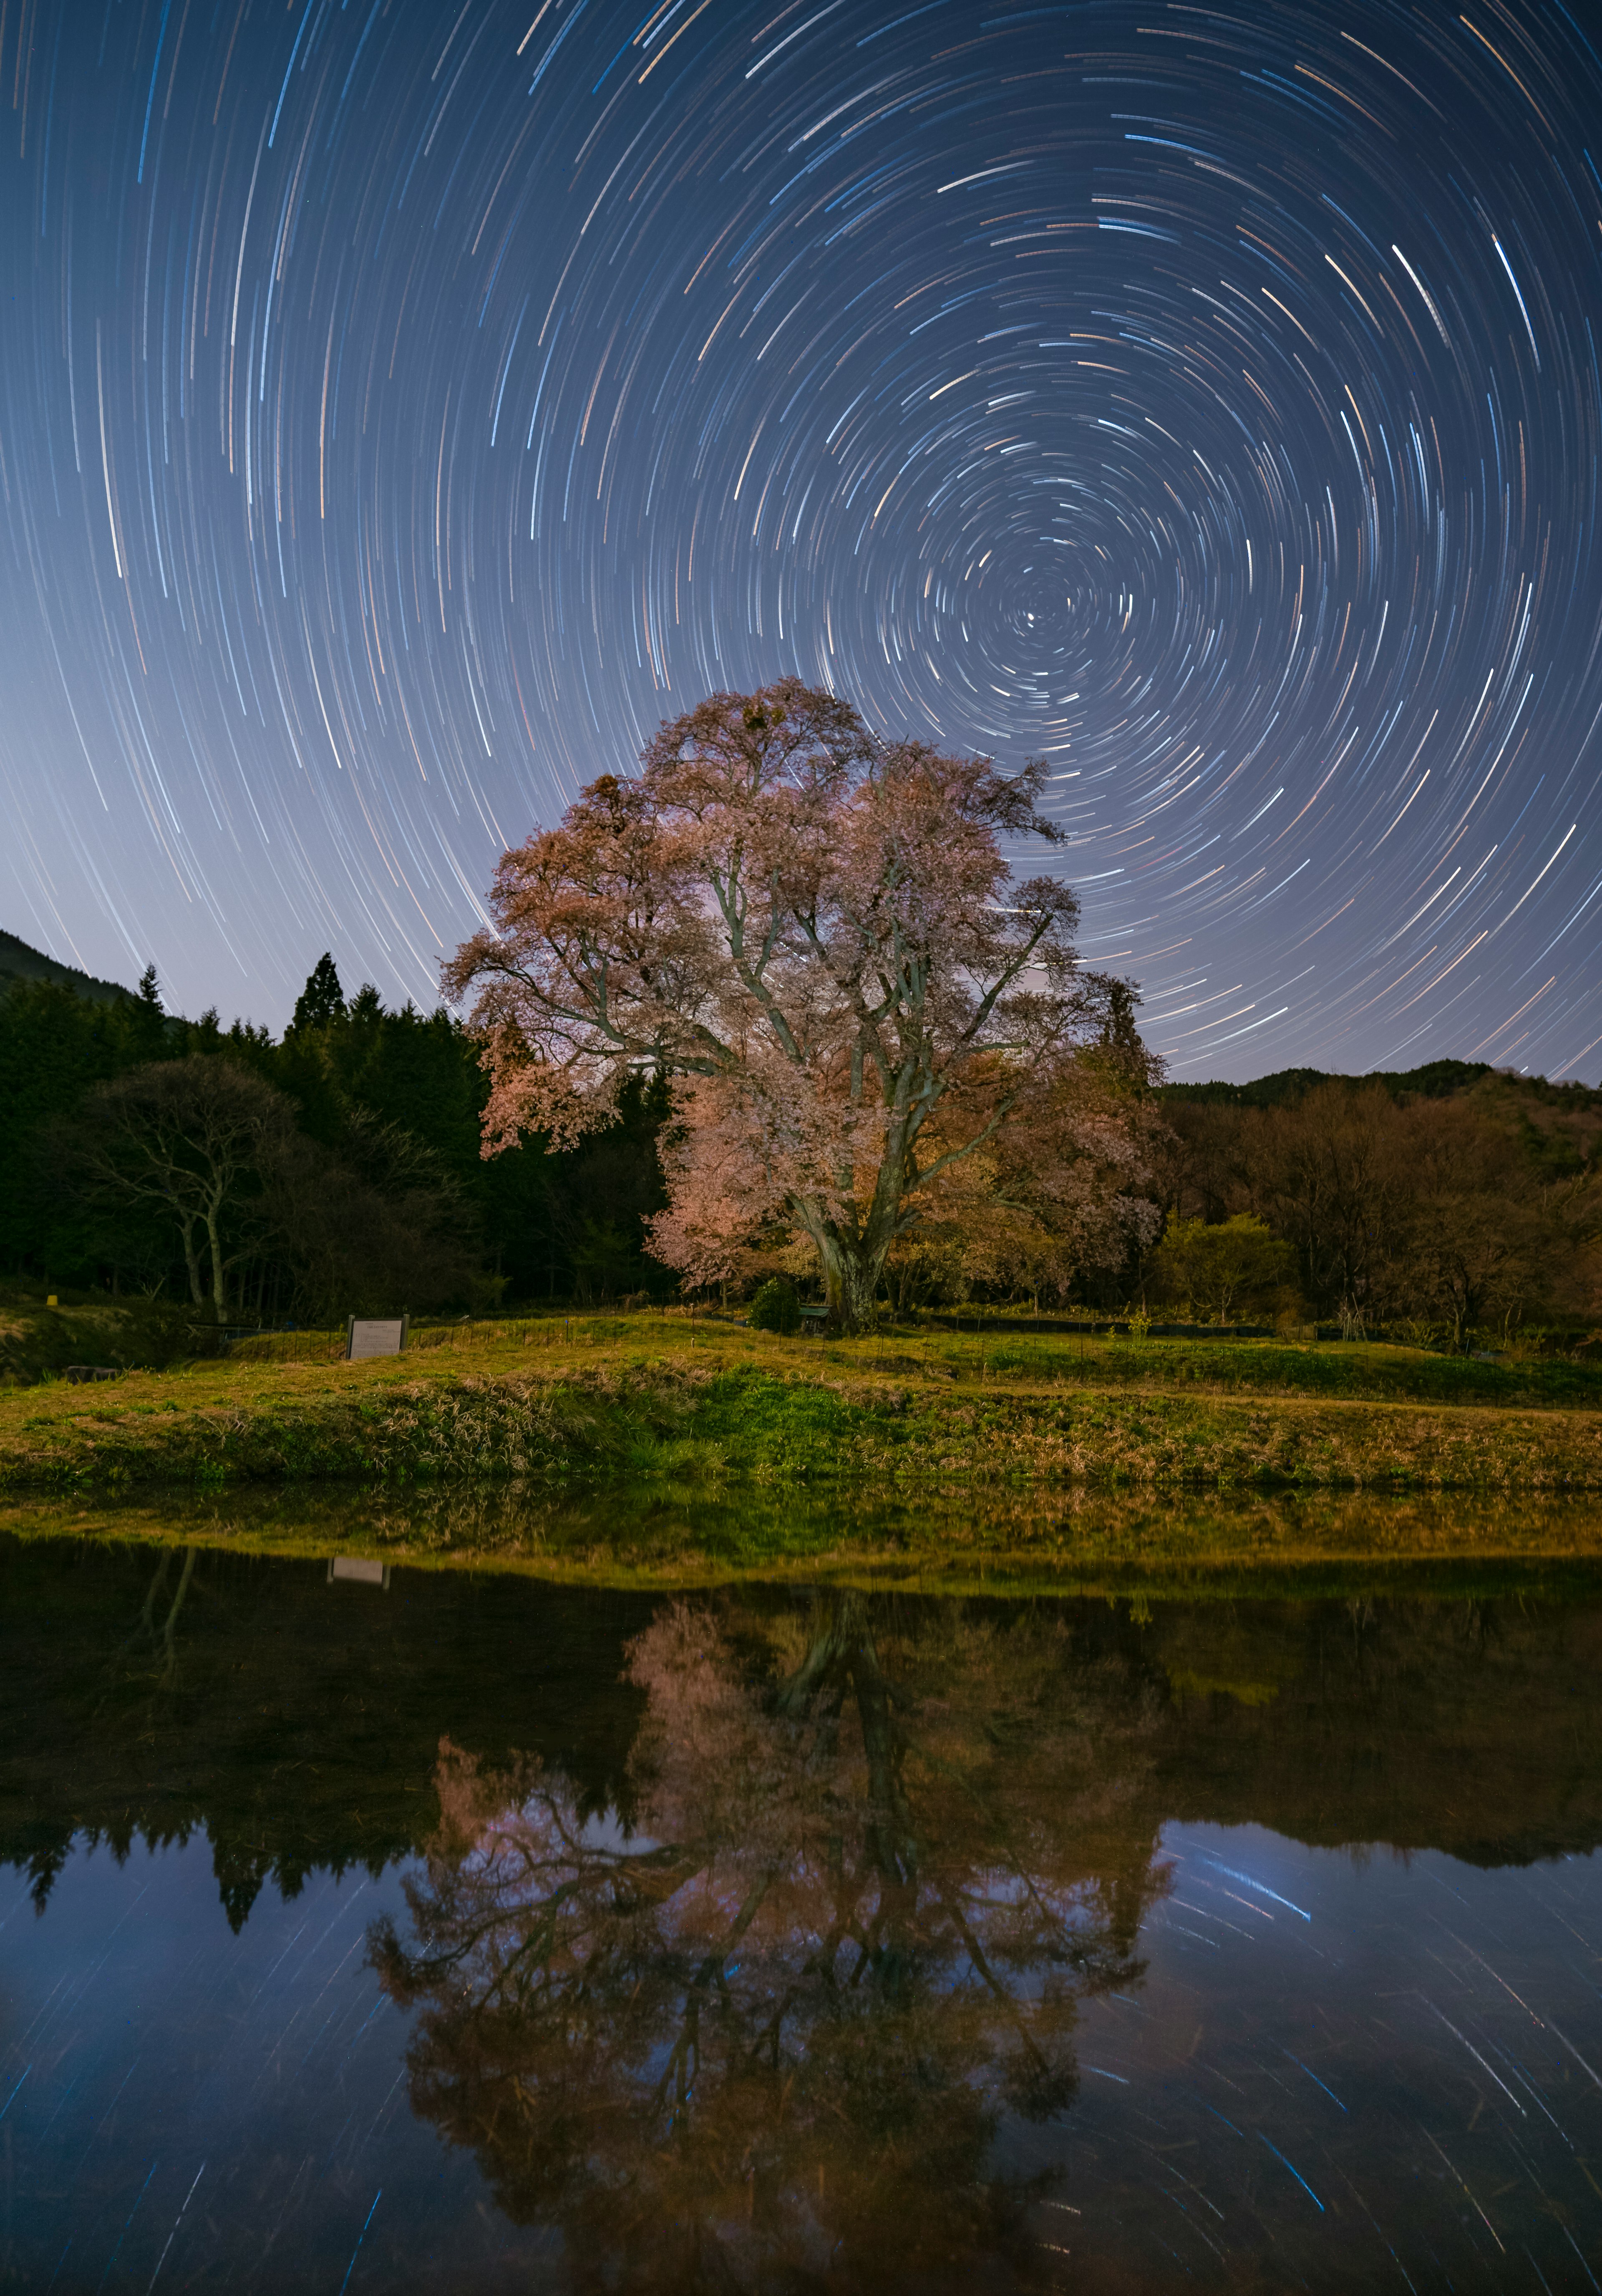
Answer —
402 411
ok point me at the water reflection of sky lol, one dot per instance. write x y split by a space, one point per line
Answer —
241 2097
482 1933
1398 2090
1336 2070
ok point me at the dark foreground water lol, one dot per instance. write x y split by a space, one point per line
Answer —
468 1933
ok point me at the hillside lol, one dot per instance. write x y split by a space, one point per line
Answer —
19 962
1436 1080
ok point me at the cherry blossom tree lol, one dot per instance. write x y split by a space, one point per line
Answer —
818 937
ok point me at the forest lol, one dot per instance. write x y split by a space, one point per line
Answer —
250 1181
1434 1205
333 1170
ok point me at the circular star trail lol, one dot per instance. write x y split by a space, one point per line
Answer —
402 411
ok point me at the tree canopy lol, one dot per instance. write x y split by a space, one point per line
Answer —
1444 1203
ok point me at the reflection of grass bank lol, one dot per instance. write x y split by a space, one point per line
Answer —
946 1541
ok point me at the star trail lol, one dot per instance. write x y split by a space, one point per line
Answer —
402 410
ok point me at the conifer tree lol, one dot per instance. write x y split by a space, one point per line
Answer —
322 999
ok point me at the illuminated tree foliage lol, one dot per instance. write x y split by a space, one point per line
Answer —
817 936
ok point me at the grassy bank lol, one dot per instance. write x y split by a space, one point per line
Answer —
567 1405
38 1341
1355 1371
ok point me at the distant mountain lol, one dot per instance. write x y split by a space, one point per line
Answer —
1436 1080
19 962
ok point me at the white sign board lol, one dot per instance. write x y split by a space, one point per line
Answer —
363 1339
358 1570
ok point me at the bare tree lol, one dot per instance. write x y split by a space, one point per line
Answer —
1326 1174
1480 1237
380 1229
192 1141
1201 1174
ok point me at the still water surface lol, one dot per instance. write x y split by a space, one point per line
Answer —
473 1933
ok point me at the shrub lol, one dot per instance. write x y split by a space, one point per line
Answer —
1223 1267
776 1307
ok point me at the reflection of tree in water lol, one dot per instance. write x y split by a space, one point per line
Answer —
148 1657
766 2035
161 1640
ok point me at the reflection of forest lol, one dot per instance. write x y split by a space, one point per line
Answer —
144 1694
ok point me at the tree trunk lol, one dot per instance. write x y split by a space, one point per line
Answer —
851 1279
219 1271
192 1261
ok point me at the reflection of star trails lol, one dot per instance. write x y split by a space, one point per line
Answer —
360 2236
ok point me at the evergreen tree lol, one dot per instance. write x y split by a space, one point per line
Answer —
146 1022
321 1000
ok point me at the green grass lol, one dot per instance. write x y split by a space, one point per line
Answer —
1362 1372
36 1343
563 1403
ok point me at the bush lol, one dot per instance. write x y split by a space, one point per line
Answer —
776 1307
1223 1267
126 1333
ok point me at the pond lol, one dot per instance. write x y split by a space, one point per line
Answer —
390 1927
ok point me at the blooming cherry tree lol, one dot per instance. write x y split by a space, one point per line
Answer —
818 937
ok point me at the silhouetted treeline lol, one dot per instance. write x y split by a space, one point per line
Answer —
334 1169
